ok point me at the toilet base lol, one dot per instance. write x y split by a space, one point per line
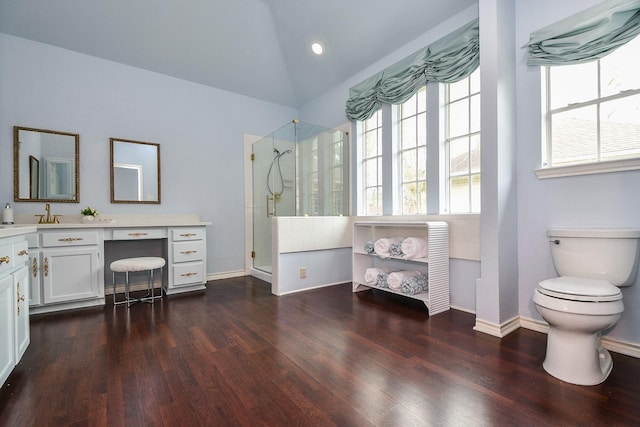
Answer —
577 358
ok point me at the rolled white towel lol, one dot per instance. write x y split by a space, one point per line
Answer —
396 278
371 274
414 247
383 245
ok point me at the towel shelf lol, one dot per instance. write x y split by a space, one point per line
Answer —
435 266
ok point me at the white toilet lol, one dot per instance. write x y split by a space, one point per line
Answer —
585 299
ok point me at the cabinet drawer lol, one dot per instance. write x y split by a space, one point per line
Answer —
188 273
139 233
195 233
188 251
70 238
20 252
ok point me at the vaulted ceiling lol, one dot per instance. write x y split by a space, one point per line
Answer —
257 48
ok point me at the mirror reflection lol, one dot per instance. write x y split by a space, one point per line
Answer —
135 171
45 165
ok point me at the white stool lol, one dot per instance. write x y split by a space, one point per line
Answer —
128 265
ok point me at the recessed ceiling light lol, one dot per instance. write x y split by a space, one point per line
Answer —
317 48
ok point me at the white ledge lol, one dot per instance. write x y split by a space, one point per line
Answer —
589 168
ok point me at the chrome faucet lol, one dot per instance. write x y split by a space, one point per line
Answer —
49 219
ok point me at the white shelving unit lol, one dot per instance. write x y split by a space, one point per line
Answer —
435 266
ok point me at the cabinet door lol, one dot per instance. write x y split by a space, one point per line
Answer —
70 274
21 313
35 274
7 328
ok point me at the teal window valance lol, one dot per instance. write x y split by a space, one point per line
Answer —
586 36
447 60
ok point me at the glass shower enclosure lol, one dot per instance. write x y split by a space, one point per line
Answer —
298 170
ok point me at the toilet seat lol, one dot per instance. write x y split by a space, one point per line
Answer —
579 289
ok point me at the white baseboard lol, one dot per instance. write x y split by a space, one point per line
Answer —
260 275
466 310
225 275
496 330
611 344
324 285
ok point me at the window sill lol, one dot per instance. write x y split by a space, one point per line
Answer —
589 168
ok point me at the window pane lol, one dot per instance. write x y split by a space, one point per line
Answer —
475 193
371 144
408 165
475 114
422 99
408 133
371 172
459 118
574 136
474 79
620 128
475 154
422 130
459 89
619 70
422 163
459 156
409 198
372 122
459 194
373 201
408 108
573 83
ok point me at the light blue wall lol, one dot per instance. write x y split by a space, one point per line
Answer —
199 129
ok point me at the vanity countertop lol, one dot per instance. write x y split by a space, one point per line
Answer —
16 230
123 221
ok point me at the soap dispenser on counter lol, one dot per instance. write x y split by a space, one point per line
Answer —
7 214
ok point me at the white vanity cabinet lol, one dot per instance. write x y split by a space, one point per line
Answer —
66 269
435 265
14 306
187 259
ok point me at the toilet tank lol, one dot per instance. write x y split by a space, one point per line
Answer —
607 254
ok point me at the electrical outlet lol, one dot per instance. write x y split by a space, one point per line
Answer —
303 272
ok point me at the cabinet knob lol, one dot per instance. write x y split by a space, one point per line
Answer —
4 259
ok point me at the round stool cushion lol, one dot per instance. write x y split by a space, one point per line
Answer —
137 264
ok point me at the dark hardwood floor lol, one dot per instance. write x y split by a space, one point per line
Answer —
237 355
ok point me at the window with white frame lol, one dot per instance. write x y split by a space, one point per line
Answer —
371 158
593 110
462 145
412 154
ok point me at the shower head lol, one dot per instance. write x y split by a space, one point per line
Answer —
279 154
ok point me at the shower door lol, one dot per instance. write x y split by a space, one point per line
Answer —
273 189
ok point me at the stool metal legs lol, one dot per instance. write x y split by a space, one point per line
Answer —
149 298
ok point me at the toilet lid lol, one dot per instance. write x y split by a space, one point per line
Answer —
579 289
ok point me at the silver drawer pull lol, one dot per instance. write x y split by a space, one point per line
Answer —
138 234
188 235
70 239
188 252
188 274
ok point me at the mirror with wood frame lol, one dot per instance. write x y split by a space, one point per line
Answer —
45 165
135 171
